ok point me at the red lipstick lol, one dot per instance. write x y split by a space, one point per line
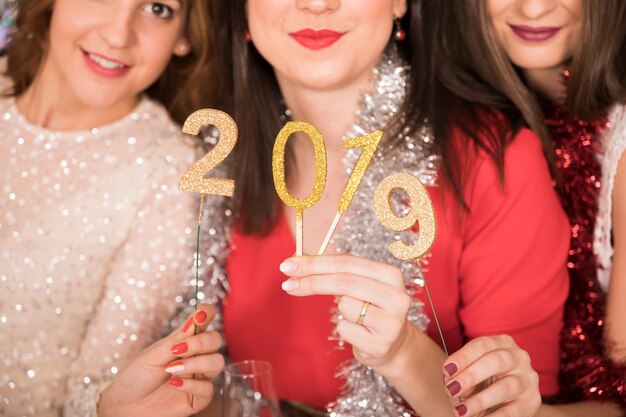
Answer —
316 39
103 66
535 33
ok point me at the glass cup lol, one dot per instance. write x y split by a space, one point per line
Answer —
249 390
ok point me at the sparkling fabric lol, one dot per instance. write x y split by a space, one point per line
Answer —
586 373
365 392
95 246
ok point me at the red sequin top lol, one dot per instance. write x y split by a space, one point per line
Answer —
586 372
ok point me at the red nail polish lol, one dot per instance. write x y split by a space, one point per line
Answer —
180 348
461 409
175 367
453 388
175 382
187 324
200 316
451 369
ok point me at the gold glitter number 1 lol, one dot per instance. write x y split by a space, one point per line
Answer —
195 178
369 143
278 171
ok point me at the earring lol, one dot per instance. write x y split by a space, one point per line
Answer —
182 47
248 36
399 34
566 74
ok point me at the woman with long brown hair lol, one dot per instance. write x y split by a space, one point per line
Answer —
93 232
348 69
570 57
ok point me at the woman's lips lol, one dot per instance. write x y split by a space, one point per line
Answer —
535 33
316 39
104 66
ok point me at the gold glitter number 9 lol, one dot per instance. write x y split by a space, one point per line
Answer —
195 178
278 170
421 213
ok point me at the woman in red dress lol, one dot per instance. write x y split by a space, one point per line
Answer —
498 264
571 54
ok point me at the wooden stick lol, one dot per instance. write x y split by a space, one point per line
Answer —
299 221
330 233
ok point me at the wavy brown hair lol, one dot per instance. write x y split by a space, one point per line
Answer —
248 90
475 69
598 70
185 85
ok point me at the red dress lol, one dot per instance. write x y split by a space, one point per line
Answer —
499 269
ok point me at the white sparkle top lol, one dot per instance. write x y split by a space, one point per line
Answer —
95 245
614 148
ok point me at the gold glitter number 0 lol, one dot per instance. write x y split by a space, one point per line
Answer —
278 171
421 213
195 178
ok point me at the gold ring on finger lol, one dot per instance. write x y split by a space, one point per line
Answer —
361 319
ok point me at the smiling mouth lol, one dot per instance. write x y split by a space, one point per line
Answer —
316 39
535 34
104 67
105 63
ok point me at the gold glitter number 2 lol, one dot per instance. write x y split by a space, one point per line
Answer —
195 179
421 213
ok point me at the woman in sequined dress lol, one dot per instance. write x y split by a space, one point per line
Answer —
94 236
571 53
347 69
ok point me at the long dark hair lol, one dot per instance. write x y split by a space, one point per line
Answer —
185 85
598 70
248 90
474 69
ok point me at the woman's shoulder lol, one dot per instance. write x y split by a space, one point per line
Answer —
152 121
522 151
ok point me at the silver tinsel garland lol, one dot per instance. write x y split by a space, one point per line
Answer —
366 393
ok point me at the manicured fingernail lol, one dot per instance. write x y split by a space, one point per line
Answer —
175 382
175 367
187 324
179 348
290 285
287 266
451 369
453 388
461 409
200 317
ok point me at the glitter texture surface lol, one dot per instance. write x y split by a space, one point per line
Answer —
369 143
195 179
95 244
421 215
586 373
278 166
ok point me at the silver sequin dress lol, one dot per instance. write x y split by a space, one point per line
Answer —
95 246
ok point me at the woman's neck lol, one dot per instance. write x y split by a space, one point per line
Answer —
46 103
550 83
332 112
